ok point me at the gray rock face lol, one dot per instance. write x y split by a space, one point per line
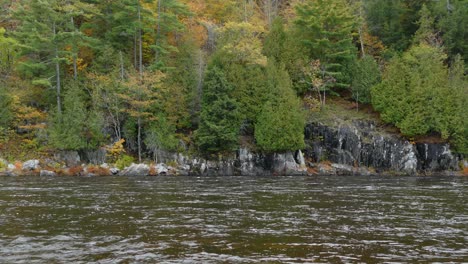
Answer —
94 157
247 163
361 144
31 165
46 173
70 158
136 170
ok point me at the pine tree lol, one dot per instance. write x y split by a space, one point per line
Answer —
326 28
41 34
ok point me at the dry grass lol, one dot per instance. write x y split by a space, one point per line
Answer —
96 170
75 171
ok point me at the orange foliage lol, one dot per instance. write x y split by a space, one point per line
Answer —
372 44
75 171
98 171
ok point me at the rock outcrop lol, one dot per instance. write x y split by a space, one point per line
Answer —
360 143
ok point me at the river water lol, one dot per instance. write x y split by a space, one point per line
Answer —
233 219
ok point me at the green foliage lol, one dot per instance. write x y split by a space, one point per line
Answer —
274 44
8 51
451 22
124 161
79 126
280 124
365 75
419 95
250 89
6 114
160 135
393 21
219 125
326 29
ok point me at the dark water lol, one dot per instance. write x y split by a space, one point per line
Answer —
233 219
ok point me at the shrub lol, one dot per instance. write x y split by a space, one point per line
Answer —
124 161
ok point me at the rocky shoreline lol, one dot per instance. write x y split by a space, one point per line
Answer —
347 148
248 165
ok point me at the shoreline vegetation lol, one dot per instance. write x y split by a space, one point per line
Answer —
262 87
163 169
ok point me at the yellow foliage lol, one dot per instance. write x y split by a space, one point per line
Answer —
116 150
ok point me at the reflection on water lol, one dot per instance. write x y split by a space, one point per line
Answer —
232 219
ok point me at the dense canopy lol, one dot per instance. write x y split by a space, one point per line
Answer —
209 76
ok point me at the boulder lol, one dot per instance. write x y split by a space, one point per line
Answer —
114 171
31 165
161 169
11 167
342 169
46 173
136 170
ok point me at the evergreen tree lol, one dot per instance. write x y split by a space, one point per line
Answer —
326 29
169 14
452 20
219 126
406 95
160 136
274 44
6 114
8 51
79 127
366 74
425 32
41 34
280 124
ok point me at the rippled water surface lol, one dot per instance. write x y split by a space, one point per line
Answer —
233 219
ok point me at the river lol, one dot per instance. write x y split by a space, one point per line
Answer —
233 219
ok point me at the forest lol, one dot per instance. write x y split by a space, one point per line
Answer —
207 76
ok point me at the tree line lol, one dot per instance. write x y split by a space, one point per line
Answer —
206 76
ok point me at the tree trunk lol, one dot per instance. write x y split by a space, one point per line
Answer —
57 74
139 139
361 40
158 32
135 52
140 47
122 72
75 67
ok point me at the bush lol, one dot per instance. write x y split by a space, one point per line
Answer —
124 161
